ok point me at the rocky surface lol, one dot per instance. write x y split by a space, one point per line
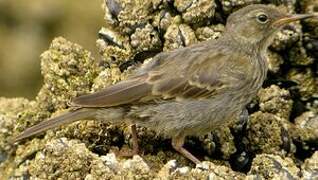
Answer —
275 138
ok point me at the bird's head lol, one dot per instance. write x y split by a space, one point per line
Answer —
258 23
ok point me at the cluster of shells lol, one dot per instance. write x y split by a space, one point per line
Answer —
276 137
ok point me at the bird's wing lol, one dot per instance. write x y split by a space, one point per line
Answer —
121 93
203 77
186 73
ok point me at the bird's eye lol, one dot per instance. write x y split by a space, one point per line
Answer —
262 18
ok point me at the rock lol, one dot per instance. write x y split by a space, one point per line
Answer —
266 166
274 61
307 85
229 6
179 36
268 133
276 101
309 170
196 12
305 131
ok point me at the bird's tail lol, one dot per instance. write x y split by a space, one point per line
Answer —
66 118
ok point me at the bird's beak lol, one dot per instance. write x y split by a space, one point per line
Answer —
291 18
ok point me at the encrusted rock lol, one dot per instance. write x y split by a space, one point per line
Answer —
268 129
9 108
63 159
309 170
179 36
209 32
66 67
305 131
68 70
145 39
266 166
298 56
287 37
275 60
276 101
226 141
307 84
205 170
268 133
310 6
308 121
127 15
113 47
164 19
195 12
229 6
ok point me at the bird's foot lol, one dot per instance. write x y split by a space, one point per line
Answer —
177 143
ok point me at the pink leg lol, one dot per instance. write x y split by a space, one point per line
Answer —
177 144
135 149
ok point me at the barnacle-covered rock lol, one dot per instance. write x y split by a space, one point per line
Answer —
108 77
266 166
275 60
117 49
195 12
178 36
268 133
113 47
276 101
18 166
287 37
298 56
286 5
68 70
164 19
135 168
307 84
209 32
63 159
310 6
98 136
145 39
205 170
112 9
229 6
9 108
311 44
226 142
267 130
127 15
305 131
309 170
70 159
309 122
112 38
208 144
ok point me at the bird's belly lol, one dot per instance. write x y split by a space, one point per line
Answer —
190 117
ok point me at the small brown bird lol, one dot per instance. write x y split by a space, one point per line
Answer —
188 91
